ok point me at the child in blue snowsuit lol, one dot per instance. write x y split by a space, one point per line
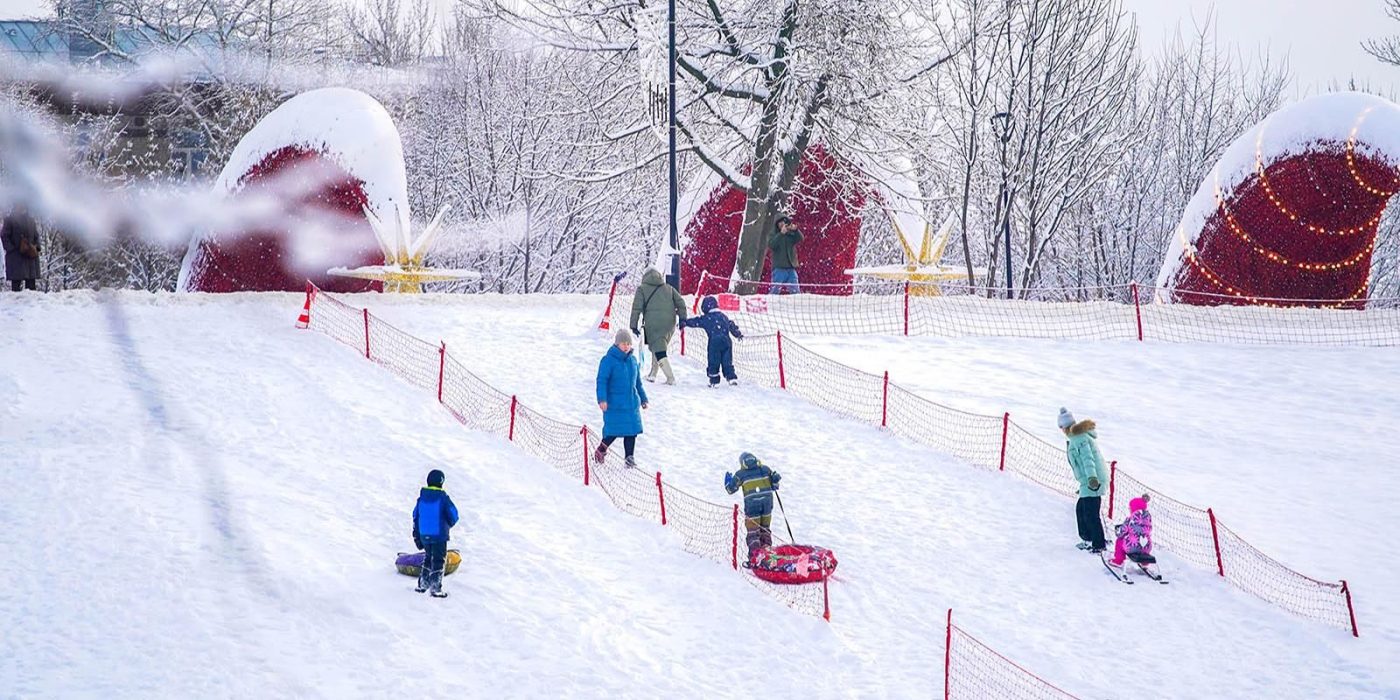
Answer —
433 518
718 328
759 484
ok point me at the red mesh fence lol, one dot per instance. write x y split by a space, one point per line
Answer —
998 443
707 529
974 670
1124 312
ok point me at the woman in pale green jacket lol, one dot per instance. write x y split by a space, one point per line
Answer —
1085 460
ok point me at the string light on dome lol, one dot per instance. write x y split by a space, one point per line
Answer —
1232 292
1295 218
1280 259
1351 160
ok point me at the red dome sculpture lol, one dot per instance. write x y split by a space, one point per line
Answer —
1291 210
826 208
317 162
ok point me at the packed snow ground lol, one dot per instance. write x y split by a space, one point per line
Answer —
1292 446
209 502
917 532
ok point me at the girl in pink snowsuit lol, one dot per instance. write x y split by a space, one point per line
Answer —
1135 533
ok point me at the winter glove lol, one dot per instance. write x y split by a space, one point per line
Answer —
418 542
1118 530
1093 483
636 334
729 484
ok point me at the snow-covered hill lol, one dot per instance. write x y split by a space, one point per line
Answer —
918 532
199 499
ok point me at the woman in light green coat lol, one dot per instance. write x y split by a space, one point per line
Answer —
1085 460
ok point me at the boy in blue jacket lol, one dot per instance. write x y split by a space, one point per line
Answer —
759 483
718 328
433 518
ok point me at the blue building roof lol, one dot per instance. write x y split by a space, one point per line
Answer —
33 39
45 40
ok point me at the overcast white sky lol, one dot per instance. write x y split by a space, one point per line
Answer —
1322 38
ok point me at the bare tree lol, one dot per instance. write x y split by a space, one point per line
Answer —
1386 49
390 32
763 82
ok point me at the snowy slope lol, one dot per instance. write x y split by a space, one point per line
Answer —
918 532
200 501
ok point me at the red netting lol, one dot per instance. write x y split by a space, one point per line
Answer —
706 529
975 670
998 443
1122 312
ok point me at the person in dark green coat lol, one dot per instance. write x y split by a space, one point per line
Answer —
784 246
656 307
1085 460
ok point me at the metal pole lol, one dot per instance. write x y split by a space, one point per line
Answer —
674 277
1006 208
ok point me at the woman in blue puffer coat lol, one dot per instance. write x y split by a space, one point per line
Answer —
620 397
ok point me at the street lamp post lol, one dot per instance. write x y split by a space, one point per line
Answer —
1001 127
674 276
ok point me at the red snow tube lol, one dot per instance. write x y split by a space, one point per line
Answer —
792 563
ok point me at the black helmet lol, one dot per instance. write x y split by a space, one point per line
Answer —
435 478
748 460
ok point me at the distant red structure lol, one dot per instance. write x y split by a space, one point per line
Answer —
826 208
1303 229
258 261
1292 210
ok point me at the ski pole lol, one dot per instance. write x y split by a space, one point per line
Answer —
785 518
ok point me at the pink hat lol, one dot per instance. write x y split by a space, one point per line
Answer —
1139 503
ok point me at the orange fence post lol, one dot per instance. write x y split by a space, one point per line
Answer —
734 546
782 375
947 654
661 495
1351 612
826 598
885 402
1112 477
1215 536
442 362
584 432
906 307
1005 426
1137 308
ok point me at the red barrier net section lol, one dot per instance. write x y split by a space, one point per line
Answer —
707 529
974 671
998 443
1125 312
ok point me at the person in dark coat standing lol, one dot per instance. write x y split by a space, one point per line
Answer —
718 327
655 308
620 397
758 483
784 246
20 236
433 518
1085 460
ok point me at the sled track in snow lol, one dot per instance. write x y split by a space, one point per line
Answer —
997 443
709 530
